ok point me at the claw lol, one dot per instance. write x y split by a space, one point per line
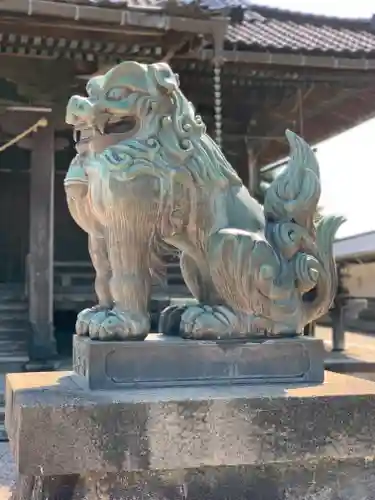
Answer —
208 323
116 325
86 317
95 324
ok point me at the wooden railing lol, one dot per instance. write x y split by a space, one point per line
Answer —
72 274
74 282
79 275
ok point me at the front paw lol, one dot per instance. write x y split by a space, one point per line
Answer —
120 325
208 323
87 316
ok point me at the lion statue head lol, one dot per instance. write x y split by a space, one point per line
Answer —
138 120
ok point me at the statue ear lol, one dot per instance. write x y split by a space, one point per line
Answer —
128 73
163 77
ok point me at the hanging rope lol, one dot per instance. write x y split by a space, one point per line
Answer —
300 113
42 122
218 109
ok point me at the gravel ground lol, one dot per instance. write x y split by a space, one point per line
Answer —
7 471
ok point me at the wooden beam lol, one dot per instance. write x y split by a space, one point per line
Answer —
62 29
82 14
279 59
253 171
40 286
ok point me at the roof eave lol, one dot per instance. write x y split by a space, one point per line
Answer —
355 63
152 17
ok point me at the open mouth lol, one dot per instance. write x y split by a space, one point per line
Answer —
122 126
101 136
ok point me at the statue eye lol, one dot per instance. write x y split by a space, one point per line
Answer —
117 93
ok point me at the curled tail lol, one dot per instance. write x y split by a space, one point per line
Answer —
294 194
326 285
305 248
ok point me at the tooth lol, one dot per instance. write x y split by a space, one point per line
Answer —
75 135
100 127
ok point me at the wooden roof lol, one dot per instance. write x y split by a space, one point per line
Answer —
276 30
253 27
280 69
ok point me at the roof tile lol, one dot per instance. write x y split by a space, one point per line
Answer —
277 30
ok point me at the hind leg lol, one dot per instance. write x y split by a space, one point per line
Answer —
198 280
226 314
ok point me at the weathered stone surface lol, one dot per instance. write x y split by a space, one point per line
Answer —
57 427
170 361
351 479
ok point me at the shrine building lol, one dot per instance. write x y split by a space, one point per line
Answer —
250 72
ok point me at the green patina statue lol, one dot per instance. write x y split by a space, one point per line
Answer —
147 174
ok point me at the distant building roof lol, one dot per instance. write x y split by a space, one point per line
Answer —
281 30
273 29
357 247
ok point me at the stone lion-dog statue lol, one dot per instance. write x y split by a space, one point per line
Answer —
147 175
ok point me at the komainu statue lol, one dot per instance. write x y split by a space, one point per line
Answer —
147 175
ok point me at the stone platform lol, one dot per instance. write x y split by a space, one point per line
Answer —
279 442
162 361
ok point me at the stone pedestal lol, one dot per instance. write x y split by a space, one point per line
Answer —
213 442
163 361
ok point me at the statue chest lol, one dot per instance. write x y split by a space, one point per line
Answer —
98 197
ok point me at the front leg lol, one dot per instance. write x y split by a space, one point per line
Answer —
130 287
76 189
76 186
99 258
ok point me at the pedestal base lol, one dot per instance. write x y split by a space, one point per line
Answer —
351 479
162 361
206 443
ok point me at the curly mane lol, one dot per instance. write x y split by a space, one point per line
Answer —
184 141
172 143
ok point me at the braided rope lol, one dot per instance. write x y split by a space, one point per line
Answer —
42 122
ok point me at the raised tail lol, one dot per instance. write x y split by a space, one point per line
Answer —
326 285
305 247
294 195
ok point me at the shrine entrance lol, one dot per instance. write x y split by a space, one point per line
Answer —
14 210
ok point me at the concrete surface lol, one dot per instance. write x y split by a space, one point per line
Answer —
279 441
359 346
178 428
358 359
7 471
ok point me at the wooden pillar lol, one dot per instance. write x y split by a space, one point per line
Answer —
42 176
337 312
253 172
338 329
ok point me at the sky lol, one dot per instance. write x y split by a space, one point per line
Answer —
346 160
345 8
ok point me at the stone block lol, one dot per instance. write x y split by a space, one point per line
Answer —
279 442
157 429
162 361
